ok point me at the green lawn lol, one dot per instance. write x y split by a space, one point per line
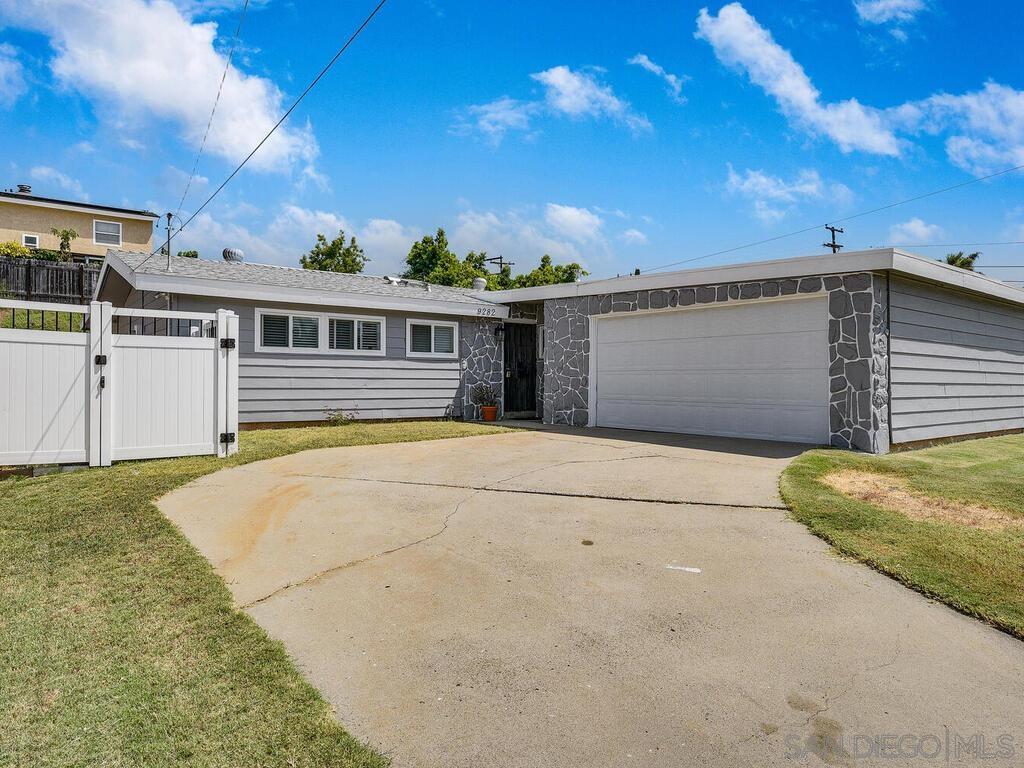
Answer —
40 320
979 572
119 644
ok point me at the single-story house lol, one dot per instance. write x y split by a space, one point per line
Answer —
865 349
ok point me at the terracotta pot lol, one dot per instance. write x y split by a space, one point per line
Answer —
489 412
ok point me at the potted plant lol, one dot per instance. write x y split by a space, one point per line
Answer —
484 396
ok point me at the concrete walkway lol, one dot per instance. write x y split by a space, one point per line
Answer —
592 598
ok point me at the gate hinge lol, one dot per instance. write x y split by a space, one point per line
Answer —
227 437
101 359
227 343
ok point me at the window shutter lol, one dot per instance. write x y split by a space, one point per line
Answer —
419 338
444 339
274 331
369 336
342 334
305 332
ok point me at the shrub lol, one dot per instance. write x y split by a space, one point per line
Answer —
13 250
338 418
483 395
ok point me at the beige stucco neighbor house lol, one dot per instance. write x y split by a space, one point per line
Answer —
28 219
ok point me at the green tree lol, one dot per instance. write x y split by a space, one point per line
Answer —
188 254
335 256
65 236
962 260
549 274
433 261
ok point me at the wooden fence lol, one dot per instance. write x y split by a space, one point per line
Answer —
51 281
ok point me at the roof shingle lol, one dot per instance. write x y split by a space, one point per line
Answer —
294 277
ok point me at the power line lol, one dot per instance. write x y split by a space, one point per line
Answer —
213 111
974 180
277 125
957 245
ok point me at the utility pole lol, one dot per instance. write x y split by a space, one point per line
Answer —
833 245
168 246
500 261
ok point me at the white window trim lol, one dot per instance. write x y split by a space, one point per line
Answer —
325 335
29 234
323 325
120 232
410 322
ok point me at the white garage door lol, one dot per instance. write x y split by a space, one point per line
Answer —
755 370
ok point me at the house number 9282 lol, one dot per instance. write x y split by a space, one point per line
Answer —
486 311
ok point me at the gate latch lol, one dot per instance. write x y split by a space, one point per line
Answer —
227 343
101 359
227 437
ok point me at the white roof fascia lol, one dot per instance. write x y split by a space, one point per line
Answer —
880 259
804 266
171 283
114 214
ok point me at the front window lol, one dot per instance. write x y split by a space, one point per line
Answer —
314 332
106 232
432 338
30 241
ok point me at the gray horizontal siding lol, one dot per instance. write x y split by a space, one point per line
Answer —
957 363
304 387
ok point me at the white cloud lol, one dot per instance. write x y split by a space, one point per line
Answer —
496 118
774 197
84 147
521 237
633 237
740 41
580 94
567 93
170 75
987 125
52 177
674 82
885 11
914 231
292 232
12 77
577 224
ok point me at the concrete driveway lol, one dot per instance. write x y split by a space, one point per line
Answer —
594 598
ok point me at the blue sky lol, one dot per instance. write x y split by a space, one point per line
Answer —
621 135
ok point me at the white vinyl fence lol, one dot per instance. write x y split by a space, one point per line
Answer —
94 384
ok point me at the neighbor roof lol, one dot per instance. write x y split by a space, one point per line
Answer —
74 205
269 282
875 260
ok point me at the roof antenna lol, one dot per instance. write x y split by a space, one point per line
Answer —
167 247
833 245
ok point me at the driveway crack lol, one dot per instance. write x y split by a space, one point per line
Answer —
359 561
537 492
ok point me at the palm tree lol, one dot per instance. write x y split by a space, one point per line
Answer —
962 260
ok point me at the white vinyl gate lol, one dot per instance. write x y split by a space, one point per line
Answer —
116 384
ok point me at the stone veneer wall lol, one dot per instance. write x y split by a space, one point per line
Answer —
858 351
482 360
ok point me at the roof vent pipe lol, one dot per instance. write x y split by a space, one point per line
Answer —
234 255
479 283
24 189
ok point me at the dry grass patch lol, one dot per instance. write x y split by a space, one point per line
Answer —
892 493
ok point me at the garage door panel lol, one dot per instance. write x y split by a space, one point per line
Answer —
757 370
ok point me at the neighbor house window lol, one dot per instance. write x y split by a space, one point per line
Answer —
431 338
106 232
315 332
30 241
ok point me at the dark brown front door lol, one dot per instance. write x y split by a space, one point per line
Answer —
520 369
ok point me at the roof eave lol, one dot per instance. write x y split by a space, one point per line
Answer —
875 260
196 286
